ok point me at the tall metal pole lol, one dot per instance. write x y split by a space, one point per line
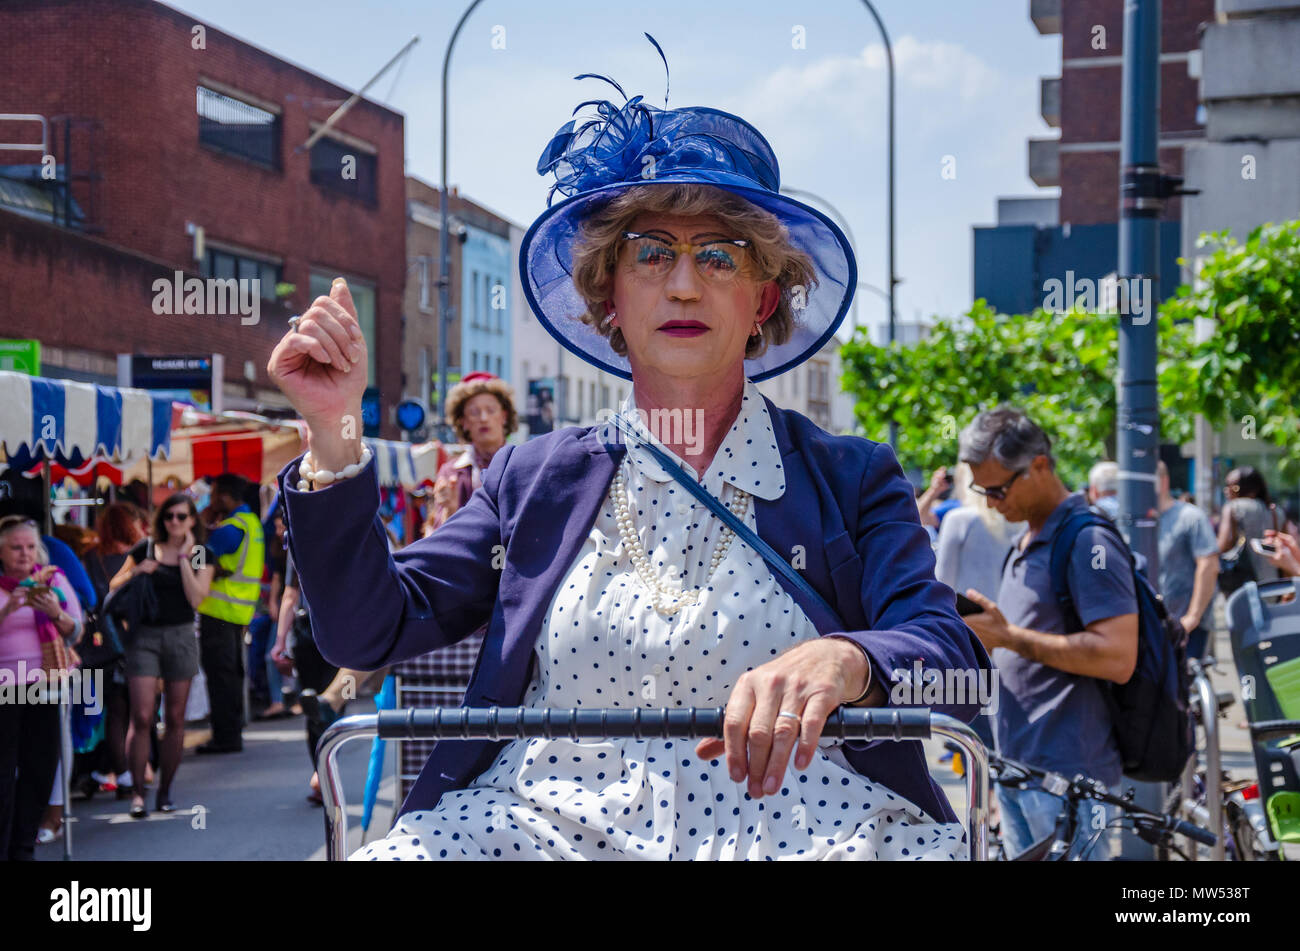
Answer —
444 250
893 280
1142 193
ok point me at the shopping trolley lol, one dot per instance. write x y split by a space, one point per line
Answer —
511 723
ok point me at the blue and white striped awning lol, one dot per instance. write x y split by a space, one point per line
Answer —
75 422
394 464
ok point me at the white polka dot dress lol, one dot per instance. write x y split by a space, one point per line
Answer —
605 645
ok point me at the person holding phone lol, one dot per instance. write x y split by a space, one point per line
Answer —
180 569
30 614
1247 514
1282 550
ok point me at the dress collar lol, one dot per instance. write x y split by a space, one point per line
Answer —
748 457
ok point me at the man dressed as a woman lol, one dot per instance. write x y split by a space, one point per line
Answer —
603 582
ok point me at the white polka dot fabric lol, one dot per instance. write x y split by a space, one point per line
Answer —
605 645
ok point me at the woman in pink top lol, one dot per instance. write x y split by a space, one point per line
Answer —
481 410
29 732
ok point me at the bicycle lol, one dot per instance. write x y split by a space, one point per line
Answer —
1235 809
1157 828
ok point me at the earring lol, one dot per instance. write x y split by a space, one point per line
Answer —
758 331
608 320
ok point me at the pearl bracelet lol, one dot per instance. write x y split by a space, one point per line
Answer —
308 475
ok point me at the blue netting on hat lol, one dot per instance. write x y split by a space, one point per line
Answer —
640 146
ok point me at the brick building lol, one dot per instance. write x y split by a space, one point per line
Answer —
1036 239
177 147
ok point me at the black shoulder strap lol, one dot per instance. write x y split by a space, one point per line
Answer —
1062 550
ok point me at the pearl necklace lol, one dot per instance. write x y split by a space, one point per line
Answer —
668 596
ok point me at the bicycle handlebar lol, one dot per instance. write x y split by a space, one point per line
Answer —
1203 836
1082 787
503 723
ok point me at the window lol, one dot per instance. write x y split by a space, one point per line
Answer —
363 295
580 413
424 284
238 128
473 312
226 265
593 395
794 382
473 362
344 169
498 366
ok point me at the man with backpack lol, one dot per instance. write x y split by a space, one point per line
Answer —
1057 657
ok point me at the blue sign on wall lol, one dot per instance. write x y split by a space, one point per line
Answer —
370 413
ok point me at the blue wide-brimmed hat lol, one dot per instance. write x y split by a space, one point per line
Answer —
639 146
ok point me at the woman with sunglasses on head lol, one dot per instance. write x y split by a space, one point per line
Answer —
180 569
605 581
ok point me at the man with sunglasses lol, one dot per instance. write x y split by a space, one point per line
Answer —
1052 712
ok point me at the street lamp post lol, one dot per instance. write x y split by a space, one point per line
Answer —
444 246
893 280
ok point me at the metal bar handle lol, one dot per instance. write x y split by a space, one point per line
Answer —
516 723
461 723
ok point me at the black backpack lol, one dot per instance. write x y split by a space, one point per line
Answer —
1153 724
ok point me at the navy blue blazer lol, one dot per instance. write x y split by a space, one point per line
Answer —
848 517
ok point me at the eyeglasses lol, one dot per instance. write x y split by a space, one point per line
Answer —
997 492
176 517
9 521
718 262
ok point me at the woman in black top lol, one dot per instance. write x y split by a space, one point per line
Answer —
180 568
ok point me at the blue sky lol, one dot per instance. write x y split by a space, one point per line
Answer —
967 71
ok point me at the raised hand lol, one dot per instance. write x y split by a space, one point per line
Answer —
321 367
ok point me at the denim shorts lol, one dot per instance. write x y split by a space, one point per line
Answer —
1029 815
170 652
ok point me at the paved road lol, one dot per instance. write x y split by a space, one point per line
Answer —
248 806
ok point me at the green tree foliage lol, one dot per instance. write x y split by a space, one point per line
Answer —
1247 373
1058 367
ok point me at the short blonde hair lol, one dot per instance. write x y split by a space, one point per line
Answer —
772 256
462 393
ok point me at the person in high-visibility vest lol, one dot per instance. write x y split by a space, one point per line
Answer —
240 546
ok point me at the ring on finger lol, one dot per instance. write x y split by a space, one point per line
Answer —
293 323
792 716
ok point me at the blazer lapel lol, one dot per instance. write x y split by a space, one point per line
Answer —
552 526
805 528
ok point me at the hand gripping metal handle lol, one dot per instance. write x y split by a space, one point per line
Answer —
508 723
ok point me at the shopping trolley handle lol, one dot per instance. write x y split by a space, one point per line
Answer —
501 723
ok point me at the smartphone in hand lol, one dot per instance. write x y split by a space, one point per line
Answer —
1267 549
966 606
